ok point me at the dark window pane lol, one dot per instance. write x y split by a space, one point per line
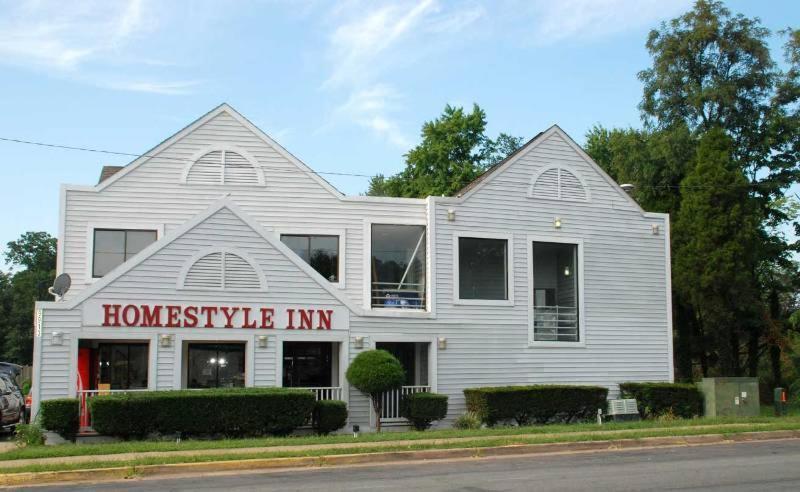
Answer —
122 365
555 292
482 268
307 364
398 266
215 365
321 252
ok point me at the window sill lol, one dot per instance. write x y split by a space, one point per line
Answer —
535 344
484 302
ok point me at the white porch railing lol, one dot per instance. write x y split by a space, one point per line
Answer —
84 415
391 400
555 324
326 393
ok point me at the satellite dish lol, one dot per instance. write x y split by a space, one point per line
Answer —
61 285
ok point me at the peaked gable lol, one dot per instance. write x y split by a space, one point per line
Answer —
220 129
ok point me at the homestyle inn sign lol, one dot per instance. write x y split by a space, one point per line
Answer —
220 245
169 315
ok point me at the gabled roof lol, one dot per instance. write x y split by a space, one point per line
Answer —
493 171
222 203
222 108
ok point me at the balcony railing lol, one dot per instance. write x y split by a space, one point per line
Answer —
392 295
555 324
391 400
326 392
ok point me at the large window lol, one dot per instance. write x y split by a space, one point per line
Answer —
215 365
121 366
321 252
308 364
113 247
398 266
482 268
555 292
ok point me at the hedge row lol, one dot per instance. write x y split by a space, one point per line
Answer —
60 416
539 404
232 412
328 416
422 409
658 399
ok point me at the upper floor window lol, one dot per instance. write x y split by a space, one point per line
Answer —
319 251
113 247
558 183
224 167
222 270
555 292
398 266
483 269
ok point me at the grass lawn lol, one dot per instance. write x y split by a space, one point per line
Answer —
565 432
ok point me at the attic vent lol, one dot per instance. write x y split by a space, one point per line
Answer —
223 167
222 270
557 183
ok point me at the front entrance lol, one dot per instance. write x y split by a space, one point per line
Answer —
312 365
414 357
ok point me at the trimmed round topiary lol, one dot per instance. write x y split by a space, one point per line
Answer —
422 409
328 416
375 372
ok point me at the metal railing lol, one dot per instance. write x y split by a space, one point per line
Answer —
84 415
555 324
392 295
326 392
391 401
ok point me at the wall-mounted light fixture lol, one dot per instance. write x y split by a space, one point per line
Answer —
358 342
58 338
557 222
451 215
442 343
166 340
262 341
656 229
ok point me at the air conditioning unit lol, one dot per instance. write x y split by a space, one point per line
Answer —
622 410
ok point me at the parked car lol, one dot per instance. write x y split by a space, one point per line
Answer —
11 406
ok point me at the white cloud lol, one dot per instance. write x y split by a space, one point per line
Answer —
371 43
89 41
550 22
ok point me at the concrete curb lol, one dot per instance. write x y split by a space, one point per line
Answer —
391 457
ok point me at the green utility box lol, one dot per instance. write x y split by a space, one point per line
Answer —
730 397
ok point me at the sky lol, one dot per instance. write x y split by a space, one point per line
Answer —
344 86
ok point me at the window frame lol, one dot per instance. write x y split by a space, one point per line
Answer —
509 238
316 231
561 239
114 226
309 236
367 271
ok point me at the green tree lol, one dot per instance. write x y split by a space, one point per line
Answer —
374 372
34 254
716 248
453 152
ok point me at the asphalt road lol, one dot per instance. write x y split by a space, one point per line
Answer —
763 466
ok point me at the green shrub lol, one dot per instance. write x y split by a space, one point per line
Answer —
328 416
539 404
467 421
26 387
422 409
659 399
28 435
61 416
232 412
375 372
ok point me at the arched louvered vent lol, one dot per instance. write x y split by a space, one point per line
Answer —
557 183
222 270
223 167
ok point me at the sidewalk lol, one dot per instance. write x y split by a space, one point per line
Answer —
127 457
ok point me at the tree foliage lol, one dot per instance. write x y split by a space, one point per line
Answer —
33 261
454 151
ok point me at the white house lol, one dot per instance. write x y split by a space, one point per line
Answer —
219 259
